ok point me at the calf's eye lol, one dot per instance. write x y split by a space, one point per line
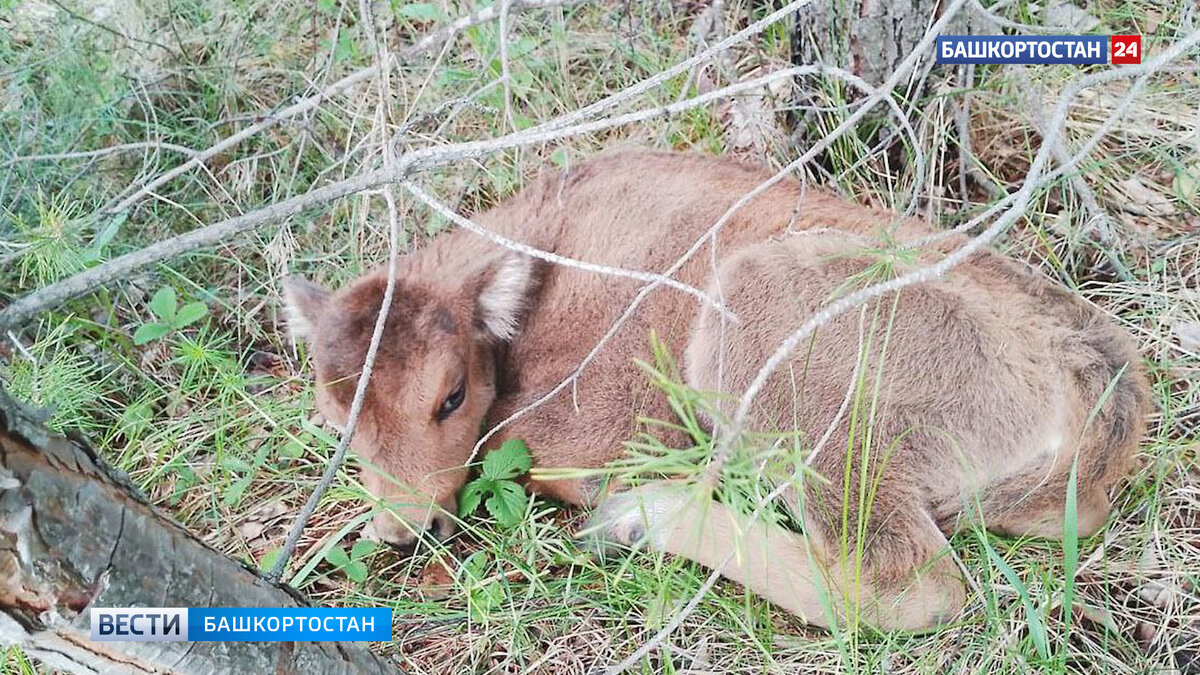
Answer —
453 401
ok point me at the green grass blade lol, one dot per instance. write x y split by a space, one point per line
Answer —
1033 620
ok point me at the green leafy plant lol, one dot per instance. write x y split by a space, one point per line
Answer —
485 592
352 564
171 316
505 499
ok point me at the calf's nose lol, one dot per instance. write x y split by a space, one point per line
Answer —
401 538
442 527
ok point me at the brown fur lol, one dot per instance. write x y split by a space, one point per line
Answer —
992 387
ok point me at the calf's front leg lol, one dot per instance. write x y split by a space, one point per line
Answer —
785 567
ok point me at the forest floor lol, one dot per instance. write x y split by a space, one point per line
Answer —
198 393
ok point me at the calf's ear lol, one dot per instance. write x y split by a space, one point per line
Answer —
304 302
504 286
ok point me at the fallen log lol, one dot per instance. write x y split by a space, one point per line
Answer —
76 534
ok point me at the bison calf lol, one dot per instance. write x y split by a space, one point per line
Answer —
991 385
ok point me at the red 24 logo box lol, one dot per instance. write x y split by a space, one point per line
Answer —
1126 49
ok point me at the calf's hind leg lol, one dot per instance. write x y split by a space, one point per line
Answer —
797 572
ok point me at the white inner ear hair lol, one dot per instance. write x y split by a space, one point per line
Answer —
299 327
302 302
502 299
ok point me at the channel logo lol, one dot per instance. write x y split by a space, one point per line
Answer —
1039 49
159 624
242 624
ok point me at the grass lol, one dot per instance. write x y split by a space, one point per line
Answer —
213 417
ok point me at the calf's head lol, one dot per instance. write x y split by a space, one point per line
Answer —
433 380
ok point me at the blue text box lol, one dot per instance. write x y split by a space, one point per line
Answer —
309 624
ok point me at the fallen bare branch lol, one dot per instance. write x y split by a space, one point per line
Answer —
123 266
419 160
649 83
1072 162
1099 225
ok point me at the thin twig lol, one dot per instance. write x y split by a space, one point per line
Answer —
1098 219
649 83
969 164
1084 151
505 69
109 29
360 390
519 247
110 150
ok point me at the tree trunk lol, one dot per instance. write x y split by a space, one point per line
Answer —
866 37
74 534
869 38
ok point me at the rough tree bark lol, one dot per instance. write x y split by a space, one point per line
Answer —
868 38
75 534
